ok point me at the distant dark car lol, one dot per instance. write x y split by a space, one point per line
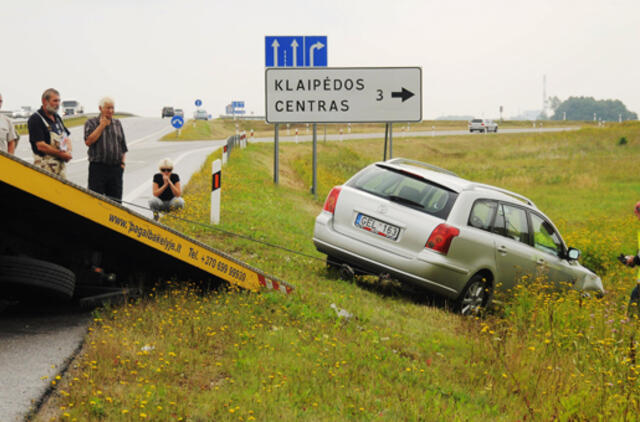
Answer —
167 112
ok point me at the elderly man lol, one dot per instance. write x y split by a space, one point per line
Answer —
107 148
48 135
8 136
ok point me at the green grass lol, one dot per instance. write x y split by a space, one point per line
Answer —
222 128
229 355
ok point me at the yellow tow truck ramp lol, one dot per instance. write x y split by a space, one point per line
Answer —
49 219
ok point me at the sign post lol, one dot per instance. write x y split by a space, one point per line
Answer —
343 95
314 183
216 188
177 122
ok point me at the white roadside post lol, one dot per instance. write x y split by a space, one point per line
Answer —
225 154
216 188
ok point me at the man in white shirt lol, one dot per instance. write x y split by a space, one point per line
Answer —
8 136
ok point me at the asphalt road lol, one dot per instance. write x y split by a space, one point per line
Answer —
397 134
36 343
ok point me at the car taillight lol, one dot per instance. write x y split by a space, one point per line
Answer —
441 238
332 199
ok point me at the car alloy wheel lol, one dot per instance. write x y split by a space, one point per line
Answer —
475 296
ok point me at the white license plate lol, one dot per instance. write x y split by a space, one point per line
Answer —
378 227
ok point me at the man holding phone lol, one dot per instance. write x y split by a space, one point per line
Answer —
107 149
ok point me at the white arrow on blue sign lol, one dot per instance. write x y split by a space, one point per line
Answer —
198 103
177 122
295 51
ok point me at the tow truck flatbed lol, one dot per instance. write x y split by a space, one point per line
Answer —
48 218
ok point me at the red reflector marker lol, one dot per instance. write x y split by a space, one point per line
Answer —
441 238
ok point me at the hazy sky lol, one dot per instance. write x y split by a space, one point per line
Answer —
475 55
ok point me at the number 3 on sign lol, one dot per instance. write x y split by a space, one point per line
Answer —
379 98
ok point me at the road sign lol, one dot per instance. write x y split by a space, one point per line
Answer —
295 51
198 103
237 104
349 94
177 122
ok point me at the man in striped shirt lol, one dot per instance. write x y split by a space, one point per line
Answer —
107 149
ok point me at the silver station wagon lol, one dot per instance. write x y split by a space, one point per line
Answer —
420 224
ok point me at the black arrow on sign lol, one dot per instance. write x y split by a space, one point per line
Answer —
405 94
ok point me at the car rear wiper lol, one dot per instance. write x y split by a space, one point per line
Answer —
406 201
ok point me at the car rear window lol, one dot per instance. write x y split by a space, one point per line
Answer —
406 189
476 121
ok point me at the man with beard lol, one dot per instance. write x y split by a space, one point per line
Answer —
48 135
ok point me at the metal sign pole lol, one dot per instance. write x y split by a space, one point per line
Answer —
275 154
386 133
314 186
390 141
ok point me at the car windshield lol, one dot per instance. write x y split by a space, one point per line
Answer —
407 189
69 103
476 121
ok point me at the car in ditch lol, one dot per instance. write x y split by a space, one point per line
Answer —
424 225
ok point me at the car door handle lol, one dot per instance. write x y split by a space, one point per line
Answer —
502 249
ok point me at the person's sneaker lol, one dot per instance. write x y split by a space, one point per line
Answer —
156 216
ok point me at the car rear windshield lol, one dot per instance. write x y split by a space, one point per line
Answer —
476 121
407 189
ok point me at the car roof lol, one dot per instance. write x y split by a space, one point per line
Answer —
452 181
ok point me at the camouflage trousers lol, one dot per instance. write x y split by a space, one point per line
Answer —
51 164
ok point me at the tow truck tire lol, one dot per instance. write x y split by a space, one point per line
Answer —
33 279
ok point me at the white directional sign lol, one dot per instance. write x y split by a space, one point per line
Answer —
349 94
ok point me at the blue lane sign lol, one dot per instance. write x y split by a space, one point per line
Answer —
198 103
315 51
177 122
237 104
295 51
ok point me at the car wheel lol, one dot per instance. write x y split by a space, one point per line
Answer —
32 279
474 297
346 273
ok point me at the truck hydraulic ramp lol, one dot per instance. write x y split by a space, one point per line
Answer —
60 241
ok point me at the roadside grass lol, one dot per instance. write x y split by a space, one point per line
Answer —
182 354
222 128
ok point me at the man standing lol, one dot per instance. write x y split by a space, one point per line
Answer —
107 148
8 136
48 136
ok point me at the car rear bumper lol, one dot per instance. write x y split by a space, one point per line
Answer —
427 269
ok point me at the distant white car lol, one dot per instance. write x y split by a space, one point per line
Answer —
201 115
483 125
72 107
23 113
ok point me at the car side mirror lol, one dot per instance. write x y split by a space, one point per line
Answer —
573 254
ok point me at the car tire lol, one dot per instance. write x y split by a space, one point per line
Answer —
474 297
35 280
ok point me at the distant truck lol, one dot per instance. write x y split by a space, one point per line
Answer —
24 113
72 107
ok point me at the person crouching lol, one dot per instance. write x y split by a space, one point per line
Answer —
166 190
